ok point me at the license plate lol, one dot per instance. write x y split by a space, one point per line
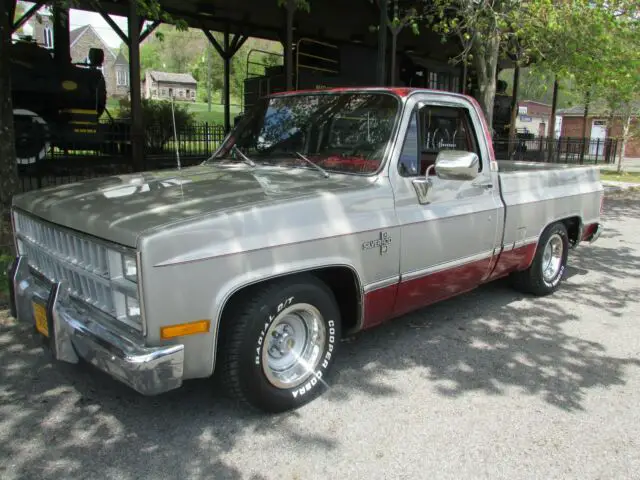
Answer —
42 323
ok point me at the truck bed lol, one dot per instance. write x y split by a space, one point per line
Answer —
537 194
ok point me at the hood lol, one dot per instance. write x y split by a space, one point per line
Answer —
120 208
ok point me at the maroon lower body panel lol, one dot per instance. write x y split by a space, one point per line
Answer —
398 299
517 259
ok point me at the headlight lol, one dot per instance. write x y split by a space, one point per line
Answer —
129 268
133 309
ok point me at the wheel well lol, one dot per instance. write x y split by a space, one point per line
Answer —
573 229
342 281
345 286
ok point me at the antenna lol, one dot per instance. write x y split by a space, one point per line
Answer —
175 135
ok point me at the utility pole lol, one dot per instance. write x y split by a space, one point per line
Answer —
209 76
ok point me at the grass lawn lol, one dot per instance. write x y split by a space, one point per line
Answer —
200 110
630 177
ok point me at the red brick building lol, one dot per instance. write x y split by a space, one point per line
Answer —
599 125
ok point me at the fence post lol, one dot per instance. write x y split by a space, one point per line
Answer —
206 138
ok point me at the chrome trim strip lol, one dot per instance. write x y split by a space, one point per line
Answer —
507 248
386 282
412 275
525 242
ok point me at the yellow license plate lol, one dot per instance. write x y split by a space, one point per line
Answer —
42 325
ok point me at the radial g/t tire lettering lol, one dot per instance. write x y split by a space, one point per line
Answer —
547 269
280 344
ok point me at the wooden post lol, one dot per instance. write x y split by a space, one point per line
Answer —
137 125
227 81
382 43
291 7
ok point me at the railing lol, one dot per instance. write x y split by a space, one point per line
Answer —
558 150
73 158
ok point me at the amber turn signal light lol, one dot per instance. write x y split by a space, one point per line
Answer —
182 329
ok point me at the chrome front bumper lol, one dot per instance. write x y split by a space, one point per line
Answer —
79 332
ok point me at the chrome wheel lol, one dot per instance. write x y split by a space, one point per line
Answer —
552 258
293 345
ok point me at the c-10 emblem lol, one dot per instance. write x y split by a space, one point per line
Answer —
383 242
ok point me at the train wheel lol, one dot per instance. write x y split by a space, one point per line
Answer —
32 137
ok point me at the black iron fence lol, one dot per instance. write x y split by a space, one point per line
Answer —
108 152
558 150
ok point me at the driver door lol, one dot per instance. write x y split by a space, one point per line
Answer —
448 237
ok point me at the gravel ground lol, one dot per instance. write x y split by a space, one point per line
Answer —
491 384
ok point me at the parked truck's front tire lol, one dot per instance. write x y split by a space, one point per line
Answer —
280 344
549 263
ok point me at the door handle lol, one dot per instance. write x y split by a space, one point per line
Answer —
483 184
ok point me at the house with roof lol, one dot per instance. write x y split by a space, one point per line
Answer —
165 85
600 126
535 118
115 68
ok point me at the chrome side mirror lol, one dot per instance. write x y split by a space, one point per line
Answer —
457 165
450 165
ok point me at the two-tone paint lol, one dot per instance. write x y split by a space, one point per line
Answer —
205 233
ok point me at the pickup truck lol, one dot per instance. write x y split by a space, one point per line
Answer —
322 213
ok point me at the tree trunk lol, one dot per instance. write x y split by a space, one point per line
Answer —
587 98
625 137
551 137
485 56
8 169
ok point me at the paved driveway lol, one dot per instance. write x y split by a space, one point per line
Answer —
489 385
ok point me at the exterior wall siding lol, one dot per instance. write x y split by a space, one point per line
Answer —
572 127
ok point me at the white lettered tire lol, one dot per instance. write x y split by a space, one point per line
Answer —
280 343
549 264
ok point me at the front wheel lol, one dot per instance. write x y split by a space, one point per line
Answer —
549 263
280 345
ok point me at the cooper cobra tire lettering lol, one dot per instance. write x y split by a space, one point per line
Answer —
244 343
317 375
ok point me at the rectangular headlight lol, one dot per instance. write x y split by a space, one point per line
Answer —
129 268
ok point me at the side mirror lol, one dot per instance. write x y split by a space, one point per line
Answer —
457 165
450 165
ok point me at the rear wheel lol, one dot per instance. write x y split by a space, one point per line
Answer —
280 345
549 263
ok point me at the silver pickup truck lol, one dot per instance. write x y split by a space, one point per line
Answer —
322 214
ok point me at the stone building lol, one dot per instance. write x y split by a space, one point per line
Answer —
164 85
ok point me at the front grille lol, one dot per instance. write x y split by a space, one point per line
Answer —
91 270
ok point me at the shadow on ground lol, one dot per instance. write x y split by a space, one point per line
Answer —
61 421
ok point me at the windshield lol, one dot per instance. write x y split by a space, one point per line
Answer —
345 132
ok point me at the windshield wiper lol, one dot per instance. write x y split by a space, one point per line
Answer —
244 157
318 167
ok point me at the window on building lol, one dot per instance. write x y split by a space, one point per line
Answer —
48 37
122 79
